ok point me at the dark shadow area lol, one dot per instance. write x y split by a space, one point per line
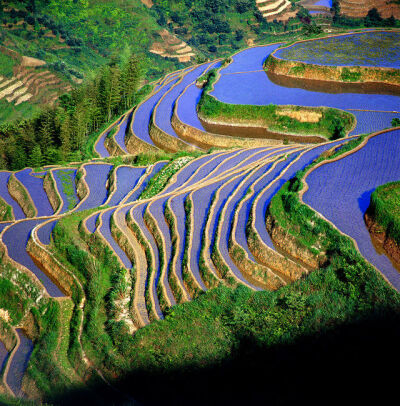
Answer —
364 200
354 364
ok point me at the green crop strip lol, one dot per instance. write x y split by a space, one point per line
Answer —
172 278
5 211
68 187
159 181
187 276
209 278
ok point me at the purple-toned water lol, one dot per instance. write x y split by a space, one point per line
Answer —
227 189
256 180
127 179
172 75
105 231
209 166
324 3
166 105
18 364
156 209
187 107
99 147
345 198
120 135
186 172
362 49
372 121
91 222
143 113
3 356
256 88
18 213
292 168
177 206
3 226
96 178
155 169
201 203
251 59
44 232
15 238
34 186
137 214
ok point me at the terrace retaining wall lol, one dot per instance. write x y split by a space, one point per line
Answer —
206 140
49 186
50 266
255 131
20 194
382 242
167 142
288 243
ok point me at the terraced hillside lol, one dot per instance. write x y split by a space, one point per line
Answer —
273 9
28 81
99 250
360 8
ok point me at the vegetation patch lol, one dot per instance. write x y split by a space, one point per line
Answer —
68 185
384 209
348 75
6 213
158 182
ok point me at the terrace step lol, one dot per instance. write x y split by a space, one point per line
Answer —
129 244
175 264
155 221
104 230
137 224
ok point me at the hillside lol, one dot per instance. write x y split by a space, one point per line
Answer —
191 196
217 226
74 39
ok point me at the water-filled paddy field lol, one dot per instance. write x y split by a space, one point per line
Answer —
240 84
364 49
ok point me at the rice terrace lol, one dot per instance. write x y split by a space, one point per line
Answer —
200 205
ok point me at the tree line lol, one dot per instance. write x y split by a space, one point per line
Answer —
60 133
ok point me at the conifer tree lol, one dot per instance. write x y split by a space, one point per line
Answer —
65 135
35 160
132 73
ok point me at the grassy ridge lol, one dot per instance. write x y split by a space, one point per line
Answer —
385 209
160 180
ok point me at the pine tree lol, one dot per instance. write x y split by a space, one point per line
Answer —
132 73
46 131
103 92
114 94
65 135
35 159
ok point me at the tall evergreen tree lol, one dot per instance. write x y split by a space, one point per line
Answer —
35 159
132 73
